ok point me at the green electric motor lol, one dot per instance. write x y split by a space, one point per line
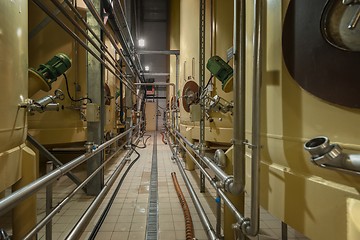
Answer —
222 71
54 68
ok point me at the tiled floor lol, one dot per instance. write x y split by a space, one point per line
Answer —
128 214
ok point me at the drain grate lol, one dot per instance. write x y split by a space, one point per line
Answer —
152 218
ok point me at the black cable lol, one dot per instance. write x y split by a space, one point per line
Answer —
111 201
68 92
144 142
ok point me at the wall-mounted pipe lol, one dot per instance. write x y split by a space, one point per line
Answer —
238 182
324 154
13 199
202 215
227 201
251 227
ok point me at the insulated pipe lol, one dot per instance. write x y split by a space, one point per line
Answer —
61 204
237 184
252 226
200 210
13 199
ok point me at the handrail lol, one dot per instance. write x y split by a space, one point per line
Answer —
61 204
13 199
200 210
227 201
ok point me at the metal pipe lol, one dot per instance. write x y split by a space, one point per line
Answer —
226 200
63 11
252 227
51 157
13 199
202 215
224 177
89 213
98 18
49 201
57 209
238 183
82 43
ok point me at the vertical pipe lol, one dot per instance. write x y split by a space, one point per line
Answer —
202 83
237 185
284 235
177 87
218 213
49 168
253 229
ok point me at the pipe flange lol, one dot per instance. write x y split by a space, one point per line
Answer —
245 226
228 182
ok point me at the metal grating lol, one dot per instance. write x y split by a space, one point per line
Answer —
152 218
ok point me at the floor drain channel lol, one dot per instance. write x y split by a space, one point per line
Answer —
152 218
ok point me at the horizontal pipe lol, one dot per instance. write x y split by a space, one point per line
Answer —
200 210
156 52
223 176
13 199
89 213
61 204
240 219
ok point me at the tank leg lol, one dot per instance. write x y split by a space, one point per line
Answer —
24 215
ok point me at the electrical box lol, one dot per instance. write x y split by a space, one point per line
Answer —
195 112
92 112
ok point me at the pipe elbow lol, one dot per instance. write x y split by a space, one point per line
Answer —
233 187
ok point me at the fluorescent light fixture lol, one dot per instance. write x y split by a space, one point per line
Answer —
141 42
147 68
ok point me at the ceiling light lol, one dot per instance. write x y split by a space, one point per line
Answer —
147 68
141 42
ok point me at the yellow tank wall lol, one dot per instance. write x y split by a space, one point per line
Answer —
311 199
14 62
318 202
66 125
220 129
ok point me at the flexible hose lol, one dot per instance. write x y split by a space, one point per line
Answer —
163 138
189 227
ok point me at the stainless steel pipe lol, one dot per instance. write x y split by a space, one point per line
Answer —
13 199
223 176
240 219
47 219
238 183
252 226
200 210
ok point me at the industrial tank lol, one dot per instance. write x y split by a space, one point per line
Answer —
13 65
318 202
17 161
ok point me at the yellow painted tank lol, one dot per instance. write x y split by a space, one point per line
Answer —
13 65
320 203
